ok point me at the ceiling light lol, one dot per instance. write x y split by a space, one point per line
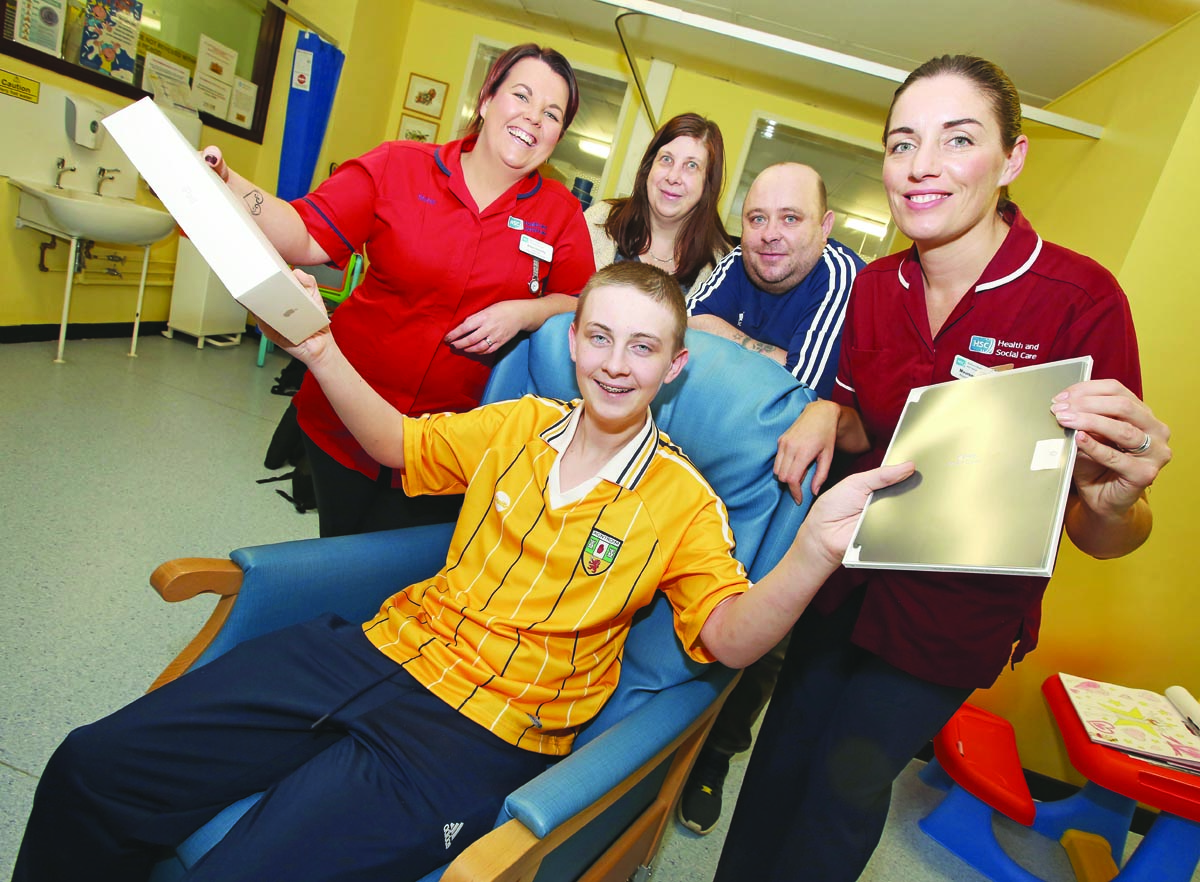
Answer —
151 24
595 148
871 228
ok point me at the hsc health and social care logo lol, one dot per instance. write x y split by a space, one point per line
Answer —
986 345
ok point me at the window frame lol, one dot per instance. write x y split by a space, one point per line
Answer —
266 55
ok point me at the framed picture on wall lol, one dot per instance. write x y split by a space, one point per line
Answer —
413 128
425 95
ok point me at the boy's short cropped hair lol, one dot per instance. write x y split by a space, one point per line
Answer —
659 286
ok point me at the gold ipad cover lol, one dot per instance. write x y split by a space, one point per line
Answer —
993 469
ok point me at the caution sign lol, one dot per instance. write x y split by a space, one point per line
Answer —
16 86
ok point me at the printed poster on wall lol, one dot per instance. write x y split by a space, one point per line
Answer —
110 37
168 82
39 24
148 44
241 105
216 69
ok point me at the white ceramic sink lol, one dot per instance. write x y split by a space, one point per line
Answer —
74 213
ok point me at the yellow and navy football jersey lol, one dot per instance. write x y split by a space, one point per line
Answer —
523 628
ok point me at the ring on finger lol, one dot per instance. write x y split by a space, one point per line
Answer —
1140 449
488 341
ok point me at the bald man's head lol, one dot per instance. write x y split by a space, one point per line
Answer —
785 225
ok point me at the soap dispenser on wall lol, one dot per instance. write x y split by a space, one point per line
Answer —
83 122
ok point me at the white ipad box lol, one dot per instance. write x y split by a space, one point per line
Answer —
993 471
215 220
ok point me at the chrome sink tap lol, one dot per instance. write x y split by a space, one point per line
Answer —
63 168
106 174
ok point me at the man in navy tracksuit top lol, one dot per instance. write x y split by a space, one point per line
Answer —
783 293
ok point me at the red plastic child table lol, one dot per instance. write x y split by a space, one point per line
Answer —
1170 851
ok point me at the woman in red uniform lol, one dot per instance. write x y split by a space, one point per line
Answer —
882 659
467 246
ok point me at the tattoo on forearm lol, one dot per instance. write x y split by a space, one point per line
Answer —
254 201
748 342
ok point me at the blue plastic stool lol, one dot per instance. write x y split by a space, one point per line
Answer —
978 764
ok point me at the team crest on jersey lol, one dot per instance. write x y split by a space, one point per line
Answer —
599 552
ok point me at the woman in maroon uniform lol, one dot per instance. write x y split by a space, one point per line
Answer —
881 660
467 246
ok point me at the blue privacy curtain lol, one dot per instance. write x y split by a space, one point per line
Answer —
316 66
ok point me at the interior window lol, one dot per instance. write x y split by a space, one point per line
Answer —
216 55
852 175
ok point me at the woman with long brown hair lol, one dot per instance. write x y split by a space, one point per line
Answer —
670 220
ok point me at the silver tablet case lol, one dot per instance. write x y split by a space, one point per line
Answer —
993 473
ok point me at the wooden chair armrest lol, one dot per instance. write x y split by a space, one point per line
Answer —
184 579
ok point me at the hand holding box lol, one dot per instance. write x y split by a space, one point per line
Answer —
216 221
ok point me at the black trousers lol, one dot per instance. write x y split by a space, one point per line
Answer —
841 726
732 732
348 502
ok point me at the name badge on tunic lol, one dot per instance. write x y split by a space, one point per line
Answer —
537 248
964 368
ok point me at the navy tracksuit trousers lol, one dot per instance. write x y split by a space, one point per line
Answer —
392 784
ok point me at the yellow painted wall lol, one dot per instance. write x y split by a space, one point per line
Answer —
440 42
1129 200
360 118
1142 102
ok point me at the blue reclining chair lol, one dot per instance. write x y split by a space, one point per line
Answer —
600 812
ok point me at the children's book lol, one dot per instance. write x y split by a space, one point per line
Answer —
1139 721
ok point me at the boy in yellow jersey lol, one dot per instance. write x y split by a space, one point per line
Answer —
464 686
